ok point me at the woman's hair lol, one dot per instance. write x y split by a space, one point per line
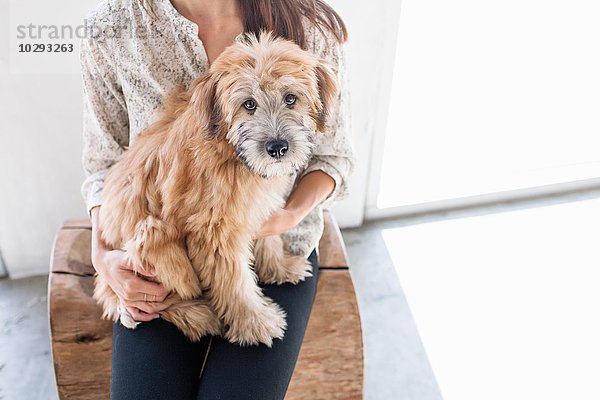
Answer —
284 18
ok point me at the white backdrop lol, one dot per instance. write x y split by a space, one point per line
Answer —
40 121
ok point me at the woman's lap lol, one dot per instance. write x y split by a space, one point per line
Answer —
156 361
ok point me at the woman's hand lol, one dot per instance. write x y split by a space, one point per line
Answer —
312 188
142 298
280 221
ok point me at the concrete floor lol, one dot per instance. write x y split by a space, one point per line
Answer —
397 367
25 358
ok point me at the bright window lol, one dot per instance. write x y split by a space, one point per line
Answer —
491 96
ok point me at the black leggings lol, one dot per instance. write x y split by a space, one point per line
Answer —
156 361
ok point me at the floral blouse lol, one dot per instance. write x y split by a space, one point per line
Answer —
131 60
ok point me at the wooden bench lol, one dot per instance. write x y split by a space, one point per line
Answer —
330 365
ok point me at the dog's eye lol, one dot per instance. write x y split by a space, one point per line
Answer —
250 105
290 99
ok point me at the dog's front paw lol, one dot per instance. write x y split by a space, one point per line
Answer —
294 269
184 282
297 269
194 318
189 288
258 326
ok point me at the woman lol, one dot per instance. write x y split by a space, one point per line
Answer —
136 54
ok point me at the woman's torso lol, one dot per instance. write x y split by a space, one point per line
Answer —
152 55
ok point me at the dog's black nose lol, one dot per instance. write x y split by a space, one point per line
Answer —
277 148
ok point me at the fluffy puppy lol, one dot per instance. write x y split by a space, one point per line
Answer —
196 184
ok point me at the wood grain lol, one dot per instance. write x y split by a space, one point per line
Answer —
81 340
330 365
332 251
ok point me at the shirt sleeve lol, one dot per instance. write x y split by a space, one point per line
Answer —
105 118
333 152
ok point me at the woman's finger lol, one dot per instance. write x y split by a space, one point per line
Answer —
134 288
148 308
132 293
141 316
140 306
155 291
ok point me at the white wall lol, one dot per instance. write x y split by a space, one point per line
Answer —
373 28
40 169
40 139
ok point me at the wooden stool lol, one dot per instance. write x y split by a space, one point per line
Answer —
330 365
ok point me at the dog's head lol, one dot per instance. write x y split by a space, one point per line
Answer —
267 97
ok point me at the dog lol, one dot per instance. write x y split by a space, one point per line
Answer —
196 185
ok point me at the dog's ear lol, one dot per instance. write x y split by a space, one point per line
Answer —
206 105
328 93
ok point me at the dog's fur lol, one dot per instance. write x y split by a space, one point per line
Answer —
195 186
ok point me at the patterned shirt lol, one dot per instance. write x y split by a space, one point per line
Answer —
131 60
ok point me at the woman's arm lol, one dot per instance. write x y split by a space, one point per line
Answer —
325 178
311 190
105 117
333 153
105 136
